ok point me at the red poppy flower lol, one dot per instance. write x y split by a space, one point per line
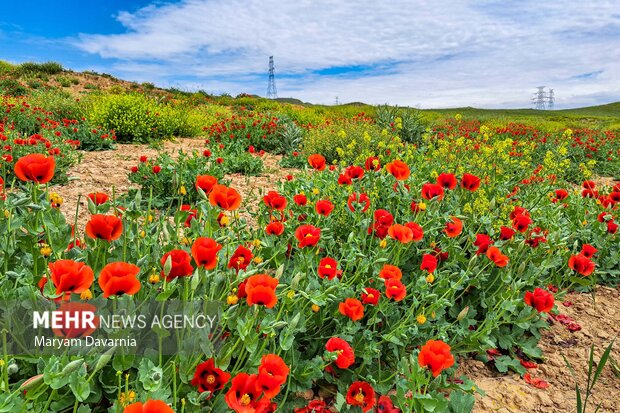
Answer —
560 194
417 231
156 169
206 183
398 169
355 172
324 207
35 167
612 227
454 228
483 242
470 182
528 364
261 290
541 300
191 214
76 310
435 355
372 164
382 222
582 264
430 191
204 252
429 263
370 296
317 161
519 211
307 235
363 200
243 396
401 233
181 264
390 272
346 355
151 406
274 200
361 394
209 378
240 259
225 197
535 381
521 222
385 405
98 198
106 227
300 199
447 181
588 184
352 308
395 289
274 228
328 268
118 278
70 276
272 373
495 255
315 406
344 179
440 255
506 233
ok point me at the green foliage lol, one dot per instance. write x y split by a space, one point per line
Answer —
7 68
12 87
60 103
47 68
138 118
350 141
594 372
66 81
407 123
172 180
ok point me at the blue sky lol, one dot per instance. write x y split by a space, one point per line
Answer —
484 53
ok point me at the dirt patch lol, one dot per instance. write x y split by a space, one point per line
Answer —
108 171
599 326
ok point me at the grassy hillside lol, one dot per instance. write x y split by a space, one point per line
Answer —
51 78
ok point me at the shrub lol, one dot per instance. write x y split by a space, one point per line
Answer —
6 68
60 103
350 141
407 123
248 129
137 118
11 87
48 68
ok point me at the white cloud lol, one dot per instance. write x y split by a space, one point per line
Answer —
441 53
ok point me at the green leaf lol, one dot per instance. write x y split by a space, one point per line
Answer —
150 375
79 385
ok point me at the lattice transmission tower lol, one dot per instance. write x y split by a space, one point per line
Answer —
539 98
272 92
550 99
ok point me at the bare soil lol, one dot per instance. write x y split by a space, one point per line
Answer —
599 326
504 393
107 171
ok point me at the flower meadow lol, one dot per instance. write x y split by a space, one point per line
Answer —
356 284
